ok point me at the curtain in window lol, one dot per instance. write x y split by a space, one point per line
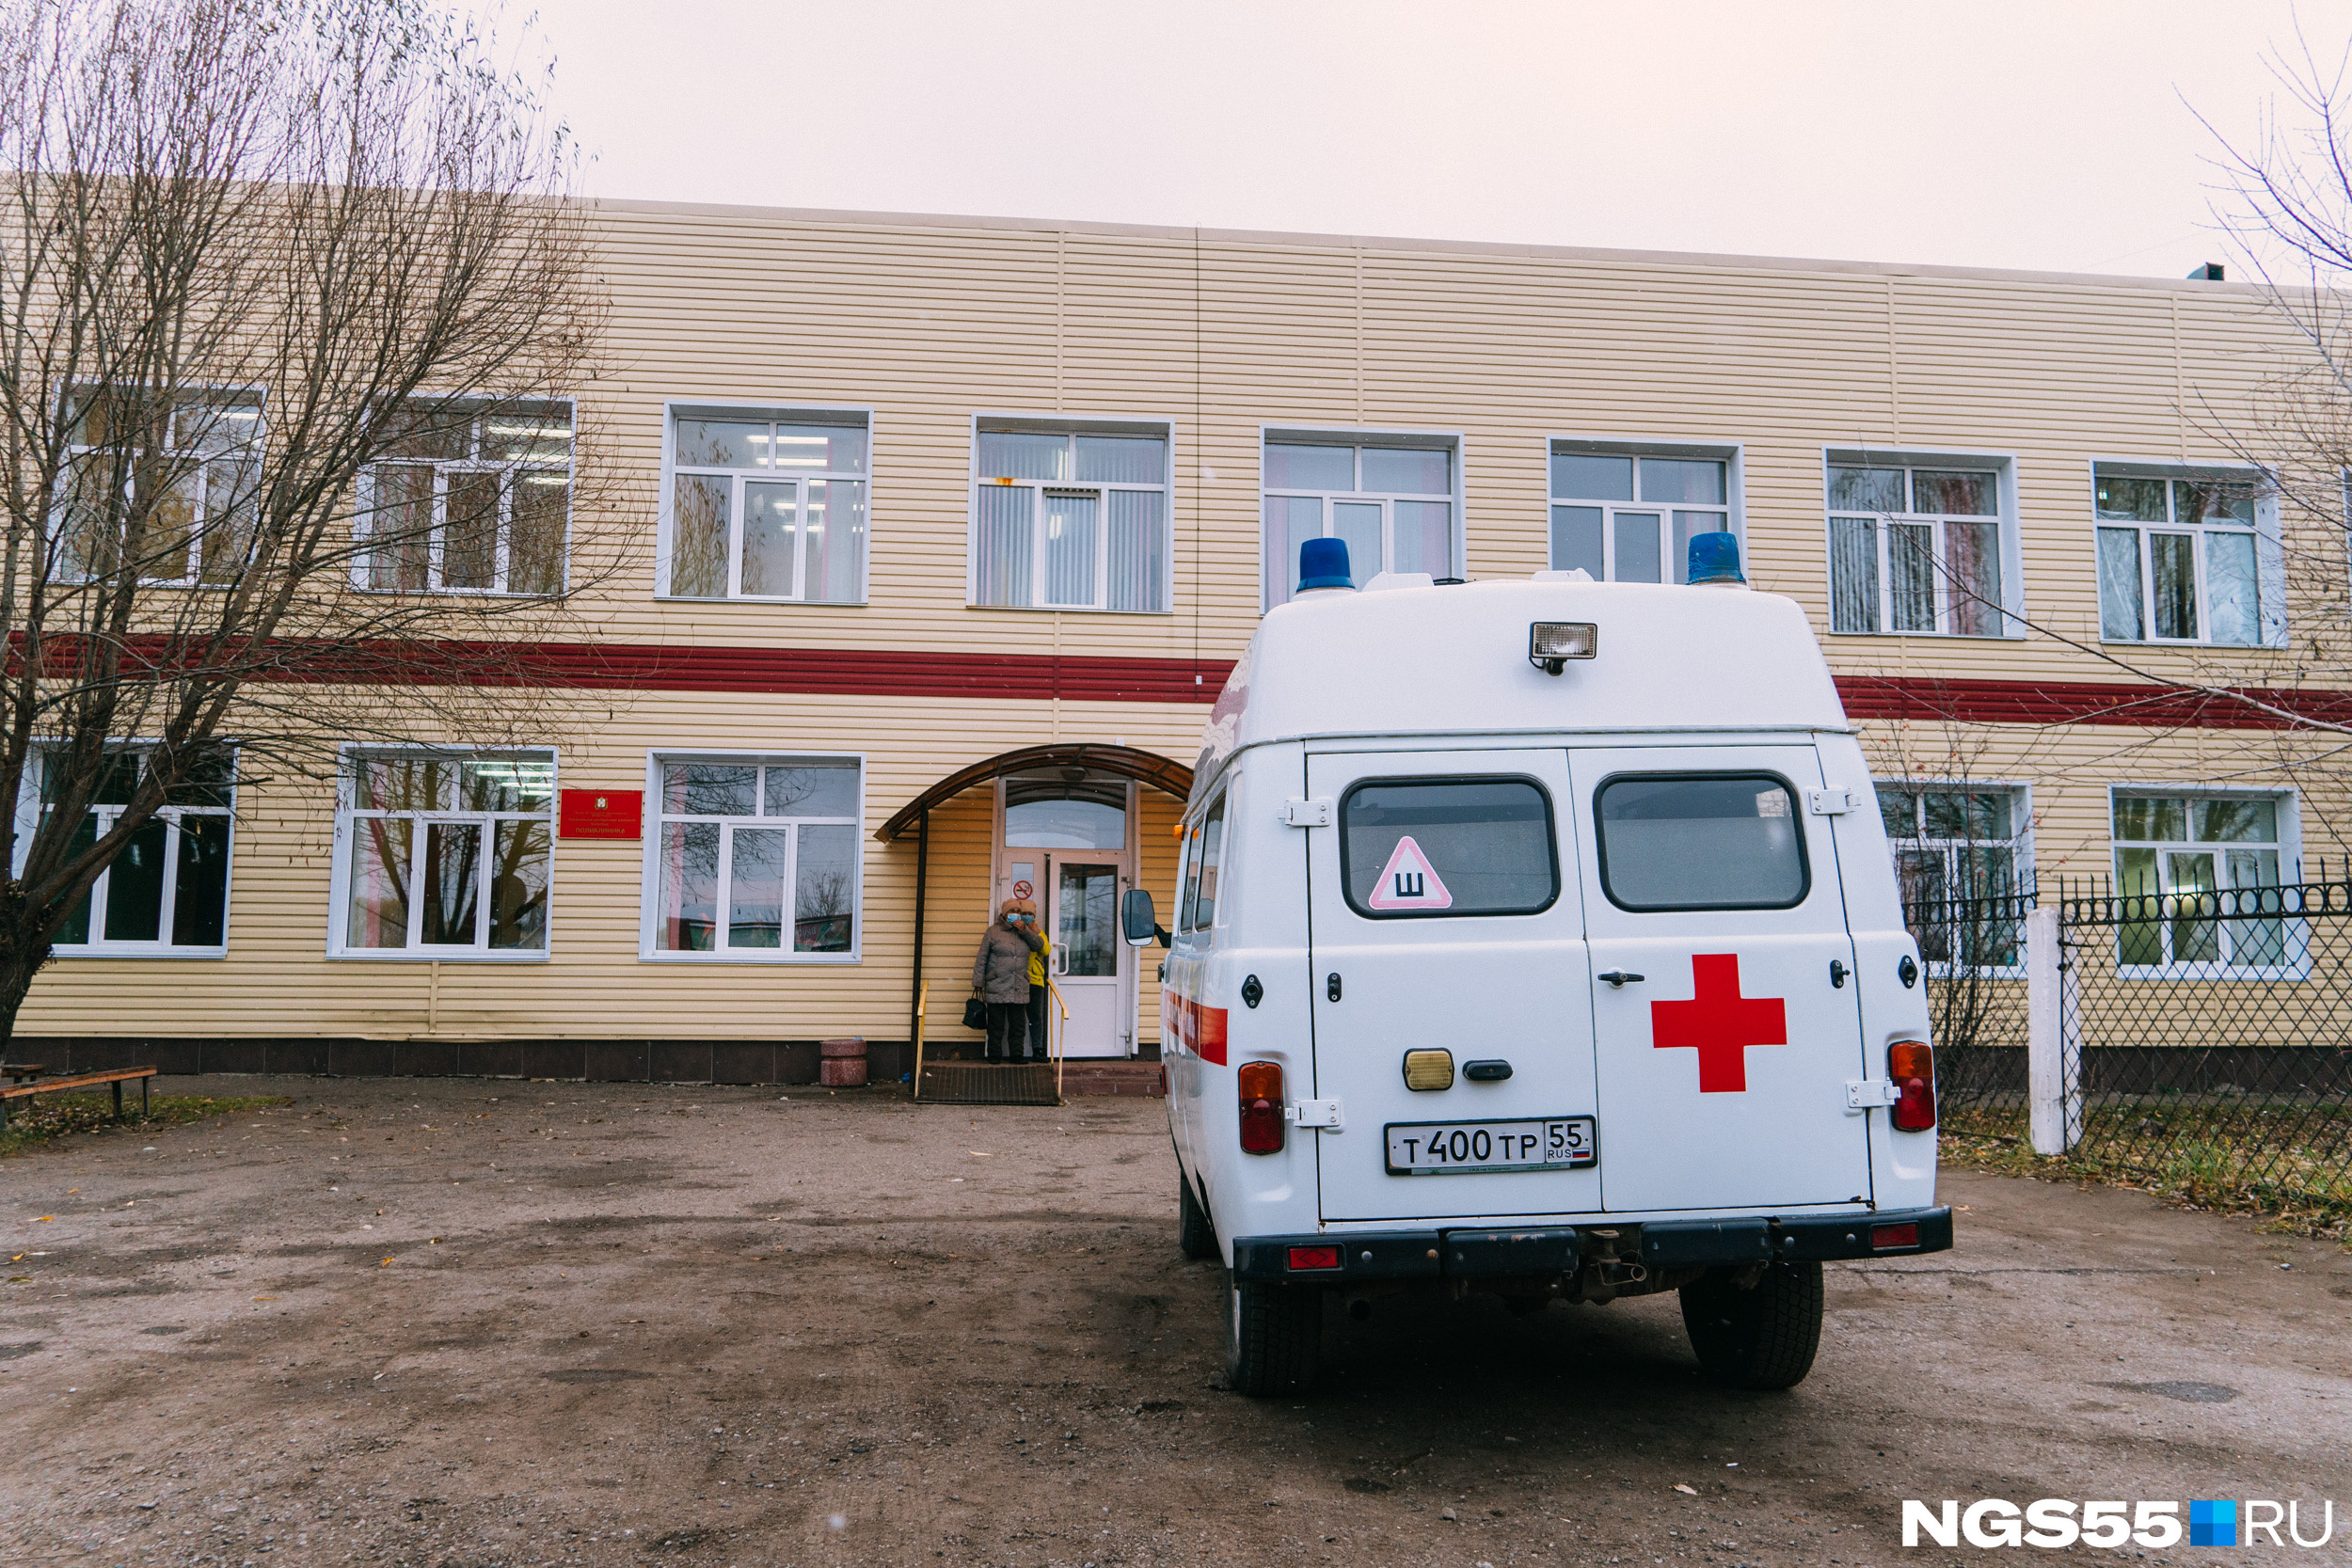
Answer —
2122 615
1358 524
1971 554
2232 608
1423 537
834 516
1290 522
1139 547
1911 577
1576 539
1007 522
1072 532
1854 574
1006 455
1122 460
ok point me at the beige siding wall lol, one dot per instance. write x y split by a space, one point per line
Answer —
929 322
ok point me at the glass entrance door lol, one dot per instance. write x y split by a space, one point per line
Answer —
1087 951
1064 842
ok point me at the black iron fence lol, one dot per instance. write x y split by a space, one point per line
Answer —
2202 1039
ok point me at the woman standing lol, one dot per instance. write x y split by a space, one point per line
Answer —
1001 974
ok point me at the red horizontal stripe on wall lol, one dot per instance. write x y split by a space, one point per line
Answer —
898 673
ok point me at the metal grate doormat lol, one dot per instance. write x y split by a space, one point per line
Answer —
989 1084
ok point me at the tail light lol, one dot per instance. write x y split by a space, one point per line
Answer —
1315 1257
1911 1064
1886 1238
1261 1107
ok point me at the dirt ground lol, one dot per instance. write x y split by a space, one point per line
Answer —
471 1322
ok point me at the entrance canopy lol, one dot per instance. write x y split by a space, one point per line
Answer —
1171 778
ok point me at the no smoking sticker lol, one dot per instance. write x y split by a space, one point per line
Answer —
1409 881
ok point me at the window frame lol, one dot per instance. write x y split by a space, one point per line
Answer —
1796 812
200 465
363 557
344 844
2267 531
28 813
2019 844
773 412
1185 932
1912 460
1071 426
1732 454
2289 846
649 908
1552 844
1455 442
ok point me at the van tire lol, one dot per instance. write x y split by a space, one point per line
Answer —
1273 1336
1195 1236
1764 1337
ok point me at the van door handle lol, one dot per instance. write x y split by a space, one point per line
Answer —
1618 979
1837 973
1331 986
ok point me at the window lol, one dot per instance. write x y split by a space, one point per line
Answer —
471 498
1393 502
2181 560
1700 841
1048 812
767 505
2177 859
757 858
167 891
1952 847
1421 847
1205 854
1074 518
1626 518
444 856
1916 551
201 453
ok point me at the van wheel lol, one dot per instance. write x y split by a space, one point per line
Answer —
1195 1236
1273 1336
1764 1337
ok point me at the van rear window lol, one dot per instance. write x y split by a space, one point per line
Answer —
1448 846
1701 841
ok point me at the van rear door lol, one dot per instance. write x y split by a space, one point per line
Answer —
1725 1018
1445 919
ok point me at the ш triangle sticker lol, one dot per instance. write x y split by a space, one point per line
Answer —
1409 881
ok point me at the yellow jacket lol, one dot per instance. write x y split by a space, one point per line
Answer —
1037 961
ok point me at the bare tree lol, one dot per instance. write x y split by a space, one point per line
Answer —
291 295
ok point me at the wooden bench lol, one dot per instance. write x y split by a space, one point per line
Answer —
115 1078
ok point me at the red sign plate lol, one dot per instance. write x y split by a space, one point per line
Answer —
601 814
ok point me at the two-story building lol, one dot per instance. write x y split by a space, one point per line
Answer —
937 537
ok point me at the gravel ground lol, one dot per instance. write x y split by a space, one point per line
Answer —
473 1323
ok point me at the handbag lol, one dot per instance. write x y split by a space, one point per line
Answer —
975 1012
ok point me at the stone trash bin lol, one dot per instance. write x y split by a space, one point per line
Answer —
842 1064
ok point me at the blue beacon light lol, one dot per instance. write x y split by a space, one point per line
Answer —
1715 559
1323 563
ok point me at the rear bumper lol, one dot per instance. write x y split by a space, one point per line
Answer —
1488 1253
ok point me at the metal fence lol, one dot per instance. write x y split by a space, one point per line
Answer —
2199 1043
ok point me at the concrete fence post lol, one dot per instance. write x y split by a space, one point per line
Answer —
2045 1051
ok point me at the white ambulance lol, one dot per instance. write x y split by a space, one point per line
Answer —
1540 937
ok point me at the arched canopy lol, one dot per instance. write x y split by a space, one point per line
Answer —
1171 778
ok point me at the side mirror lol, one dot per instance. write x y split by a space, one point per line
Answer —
1138 921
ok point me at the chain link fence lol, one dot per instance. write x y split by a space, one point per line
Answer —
2204 1038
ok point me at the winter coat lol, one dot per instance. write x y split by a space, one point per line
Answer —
1001 973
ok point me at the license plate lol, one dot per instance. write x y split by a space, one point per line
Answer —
1465 1148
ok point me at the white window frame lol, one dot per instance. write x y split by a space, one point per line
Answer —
28 813
1360 437
347 813
1162 430
1731 454
842 414
200 465
2270 613
649 907
475 461
1911 460
2290 849
2019 844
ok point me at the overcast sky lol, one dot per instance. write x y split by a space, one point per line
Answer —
2056 135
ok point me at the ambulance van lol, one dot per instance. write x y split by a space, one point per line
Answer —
1541 939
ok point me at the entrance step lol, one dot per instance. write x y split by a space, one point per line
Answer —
987 1084
1135 1078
